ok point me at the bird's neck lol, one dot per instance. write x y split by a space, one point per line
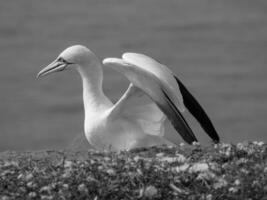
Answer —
94 99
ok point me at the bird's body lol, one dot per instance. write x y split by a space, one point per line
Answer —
122 133
124 125
101 129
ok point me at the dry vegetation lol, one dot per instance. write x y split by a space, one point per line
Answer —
222 171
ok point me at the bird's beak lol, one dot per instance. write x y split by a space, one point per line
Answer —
55 66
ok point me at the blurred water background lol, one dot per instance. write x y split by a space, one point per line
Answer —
218 48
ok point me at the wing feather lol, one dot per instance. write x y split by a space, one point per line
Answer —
162 72
183 95
149 117
157 90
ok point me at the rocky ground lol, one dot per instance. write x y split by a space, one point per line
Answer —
221 171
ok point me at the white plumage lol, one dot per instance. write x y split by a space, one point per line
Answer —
126 125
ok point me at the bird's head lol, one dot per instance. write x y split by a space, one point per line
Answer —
72 57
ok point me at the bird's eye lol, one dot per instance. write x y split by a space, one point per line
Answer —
60 59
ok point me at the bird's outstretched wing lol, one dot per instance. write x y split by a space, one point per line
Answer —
162 72
184 96
146 75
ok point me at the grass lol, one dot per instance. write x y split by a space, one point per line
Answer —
223 171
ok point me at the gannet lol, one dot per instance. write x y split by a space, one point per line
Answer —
123 126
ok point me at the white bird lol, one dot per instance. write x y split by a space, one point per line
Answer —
124 126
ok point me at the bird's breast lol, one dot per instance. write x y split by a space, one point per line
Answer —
119 134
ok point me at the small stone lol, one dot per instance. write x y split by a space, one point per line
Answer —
106 159
22 189
45 189
31 184
21 176
67 174
160 155
46 197
180 158
11 164
65 186
182 168
259 143
199 167
5 198
195 144
221 182
244 171
182 144
91 179
111 172
237 182
82 188
32 194
68 164
168 159
139 172
177 190
150 192
232 189
137 158
28 176
209 197
207 175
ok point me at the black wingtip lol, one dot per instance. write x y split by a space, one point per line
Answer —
178 121
198 112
